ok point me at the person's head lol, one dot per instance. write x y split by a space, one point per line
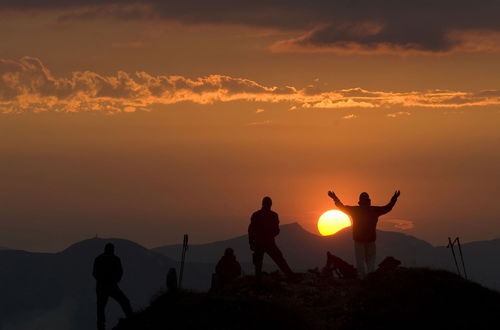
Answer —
229 252
266 203
109 248
364 199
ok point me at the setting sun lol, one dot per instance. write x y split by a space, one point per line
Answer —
332 221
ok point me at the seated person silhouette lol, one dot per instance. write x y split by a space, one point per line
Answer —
263 228
364 224
227 269
108 272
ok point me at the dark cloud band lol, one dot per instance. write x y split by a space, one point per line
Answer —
337 25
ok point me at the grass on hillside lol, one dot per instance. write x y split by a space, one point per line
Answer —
402 299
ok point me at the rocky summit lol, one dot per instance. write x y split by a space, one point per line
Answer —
397 299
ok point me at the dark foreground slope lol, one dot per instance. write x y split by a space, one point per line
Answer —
403 299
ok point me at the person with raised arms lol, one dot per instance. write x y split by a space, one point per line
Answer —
364 219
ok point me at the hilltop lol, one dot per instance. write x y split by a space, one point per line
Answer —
405 298
304 250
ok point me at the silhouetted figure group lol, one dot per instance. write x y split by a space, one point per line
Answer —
264 227
108 272
262 231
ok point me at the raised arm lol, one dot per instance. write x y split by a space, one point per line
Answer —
337 201
387 208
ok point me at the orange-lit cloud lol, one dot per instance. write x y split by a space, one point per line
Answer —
396 224
28 85
398 114
351 116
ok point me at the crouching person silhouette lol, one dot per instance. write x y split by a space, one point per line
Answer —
263 228
108 272
364 224
227 270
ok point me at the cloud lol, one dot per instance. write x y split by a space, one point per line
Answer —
259 110
397 224
28 85
260 123
341 26
398 114
351 116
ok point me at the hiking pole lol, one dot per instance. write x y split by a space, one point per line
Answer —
461 257
450 245
183 258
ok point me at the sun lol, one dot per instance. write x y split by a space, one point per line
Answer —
332 221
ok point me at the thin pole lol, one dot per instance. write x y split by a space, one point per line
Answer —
461 257
183 258
450 245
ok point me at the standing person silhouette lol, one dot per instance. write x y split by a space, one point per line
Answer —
263 228
364 224
108 272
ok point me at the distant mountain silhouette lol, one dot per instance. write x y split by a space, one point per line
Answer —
57 290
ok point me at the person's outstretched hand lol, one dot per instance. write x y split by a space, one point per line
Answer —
396 195
332 195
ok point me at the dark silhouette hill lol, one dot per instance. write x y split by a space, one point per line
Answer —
481 260
57 290
402 299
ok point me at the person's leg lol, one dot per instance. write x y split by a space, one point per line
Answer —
102 300
258 257
122 299
359 252
275 253
370 255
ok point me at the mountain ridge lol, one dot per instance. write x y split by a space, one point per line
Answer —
57 289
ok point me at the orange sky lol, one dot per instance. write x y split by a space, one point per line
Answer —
206 119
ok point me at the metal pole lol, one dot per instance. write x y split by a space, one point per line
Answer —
183 258
461 257
450 245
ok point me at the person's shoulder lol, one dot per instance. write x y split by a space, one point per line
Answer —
257 213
